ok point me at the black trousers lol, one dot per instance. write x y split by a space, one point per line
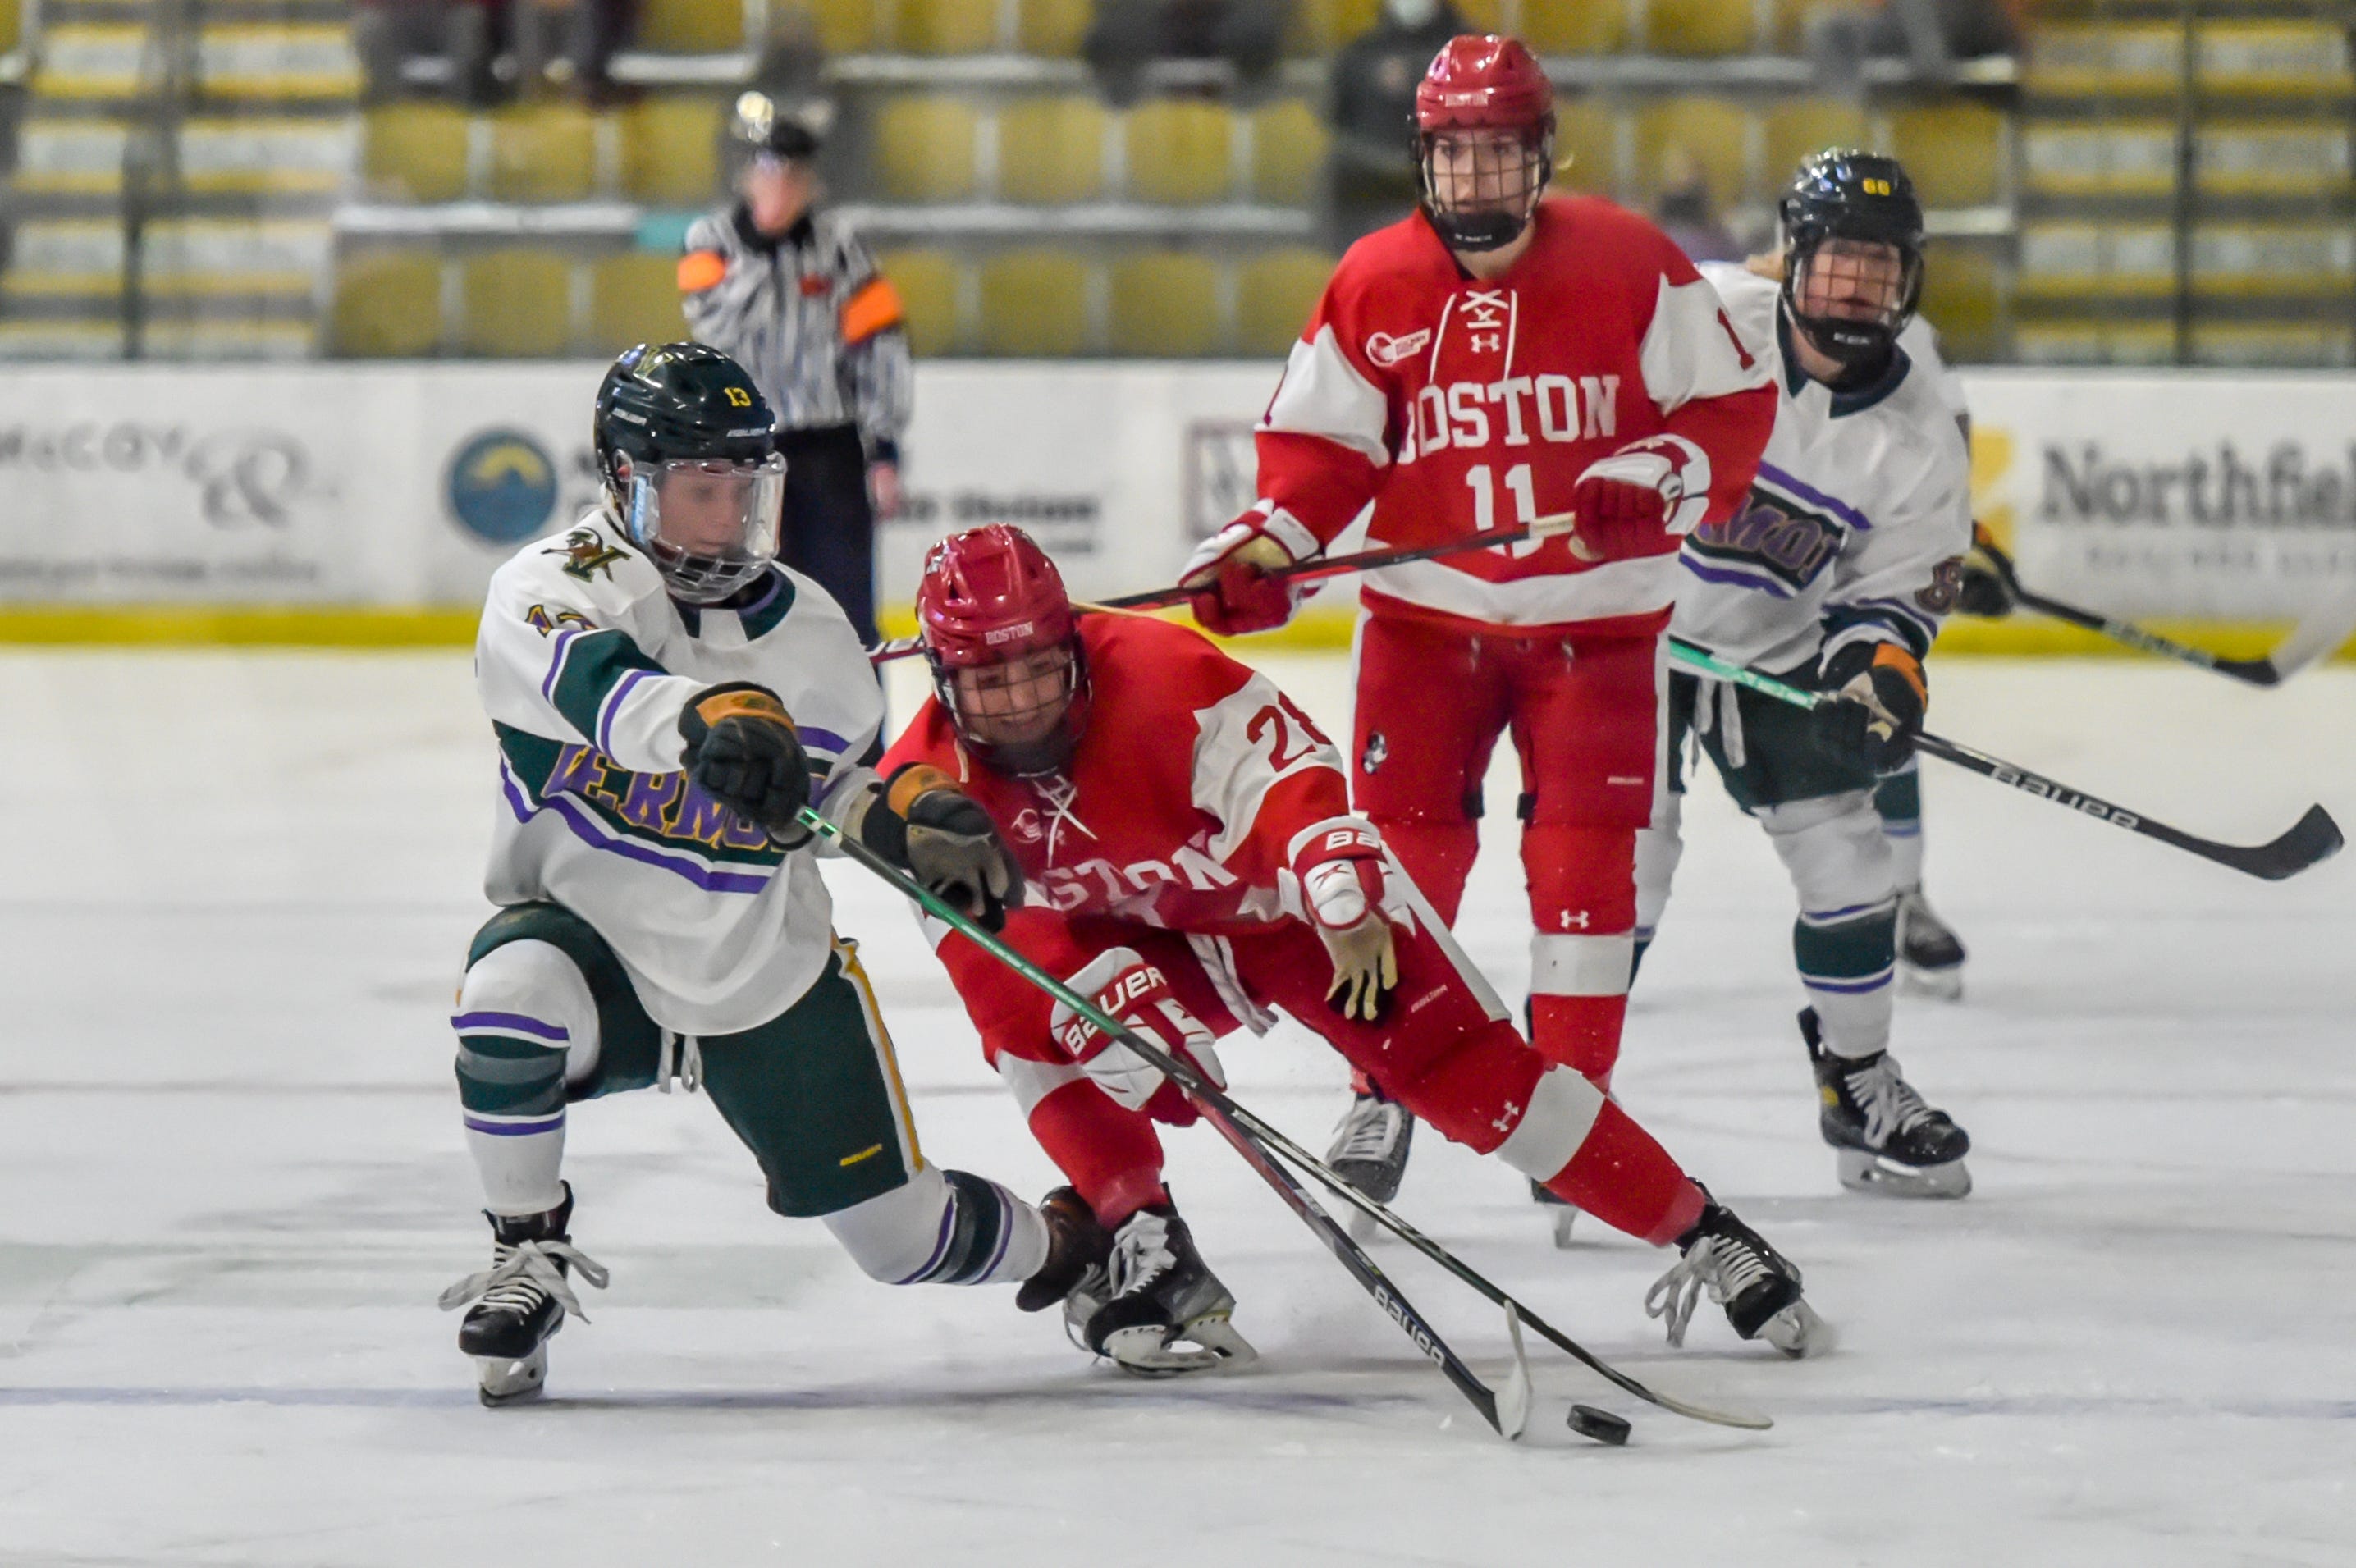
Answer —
830 524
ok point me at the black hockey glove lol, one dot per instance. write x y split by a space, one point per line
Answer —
1983 593
742 751
1880 696
921 822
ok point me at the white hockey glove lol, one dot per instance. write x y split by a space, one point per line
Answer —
1341 872
1230 571
1625 503
1133 992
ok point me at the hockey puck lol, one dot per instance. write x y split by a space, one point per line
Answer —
1600 1424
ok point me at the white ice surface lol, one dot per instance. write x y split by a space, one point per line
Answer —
233 894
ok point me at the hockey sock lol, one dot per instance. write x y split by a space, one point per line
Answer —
1111 1157
943 1227
511 1093
1846 966
1624 1178
1436 855
1898 801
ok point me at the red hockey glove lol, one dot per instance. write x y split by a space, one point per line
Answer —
1627 502
1883 695
1123 984
1231 569
1340 866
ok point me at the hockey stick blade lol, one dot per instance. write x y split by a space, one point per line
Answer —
1507 1412
2320 637
1269 1138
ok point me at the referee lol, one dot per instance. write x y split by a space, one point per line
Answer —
788 293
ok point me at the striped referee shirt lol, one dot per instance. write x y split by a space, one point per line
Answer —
809 318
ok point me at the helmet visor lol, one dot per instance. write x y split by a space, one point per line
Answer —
710 525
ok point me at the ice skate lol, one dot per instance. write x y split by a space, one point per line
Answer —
1930 955
1167 1312
1757 1286
1077 1275
524 1300
1564 1211
1890 1141
1369 1152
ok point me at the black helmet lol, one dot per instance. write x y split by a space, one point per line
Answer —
764 124
1843 193
684 409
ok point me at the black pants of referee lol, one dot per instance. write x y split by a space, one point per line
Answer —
830 524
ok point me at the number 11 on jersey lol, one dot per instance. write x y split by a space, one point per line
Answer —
1482 481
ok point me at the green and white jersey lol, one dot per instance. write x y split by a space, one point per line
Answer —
584 662
1858 519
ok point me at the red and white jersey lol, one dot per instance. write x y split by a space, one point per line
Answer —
1456 404
1182 807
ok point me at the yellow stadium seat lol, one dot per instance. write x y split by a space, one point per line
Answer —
1487 15
1714 131
12 25
1954 151
1288 152
1799 126
1698 27
1961 298
633 298
1179 151
691 26
518 305
545 152
1034 304
924 148
948 26
415 152
1569 26
1165 305
670 150
840 26
1051 150
1587 146
1321 27
1052 30
927 285
1274 295
388 305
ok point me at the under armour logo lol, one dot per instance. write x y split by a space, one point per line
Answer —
1487 342
1574 918
1504 1124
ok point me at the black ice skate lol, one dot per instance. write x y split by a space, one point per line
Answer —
1757 1286
1890 1141
1077 1273
1565 1212
1930 955
1369 1152
525 1300
1167 1312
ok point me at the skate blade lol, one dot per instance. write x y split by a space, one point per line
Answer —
501 1381
1150 1352
1799 1333
1863 1173
1940 985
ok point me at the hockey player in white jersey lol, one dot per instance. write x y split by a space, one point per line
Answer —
1838 574
667 699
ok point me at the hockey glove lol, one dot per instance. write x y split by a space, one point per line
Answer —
1883 695
921 822
1987 586
1229 570
1341 872
1627 502
1124 986
742 751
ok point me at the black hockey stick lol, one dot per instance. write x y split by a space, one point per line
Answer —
1210 1097
2313 837
2318 636
1311 570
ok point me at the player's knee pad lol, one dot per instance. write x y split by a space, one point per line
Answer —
1475 1093
1582 878
1437 852
526 1026
1844 943
1834 848
1659 849
943 1227
1562 1106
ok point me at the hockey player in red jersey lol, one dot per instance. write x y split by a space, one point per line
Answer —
1500 359
1193 862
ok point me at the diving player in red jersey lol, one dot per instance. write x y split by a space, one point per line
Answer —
1193 863
1503 357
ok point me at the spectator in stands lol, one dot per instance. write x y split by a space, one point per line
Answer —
569 39
1686 213
525 42
789 292
1370 103
1129 34
1932 34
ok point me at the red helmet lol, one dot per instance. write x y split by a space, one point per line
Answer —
991 596
1484 82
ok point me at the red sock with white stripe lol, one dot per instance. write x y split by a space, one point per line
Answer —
1624 1178
1111 1157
